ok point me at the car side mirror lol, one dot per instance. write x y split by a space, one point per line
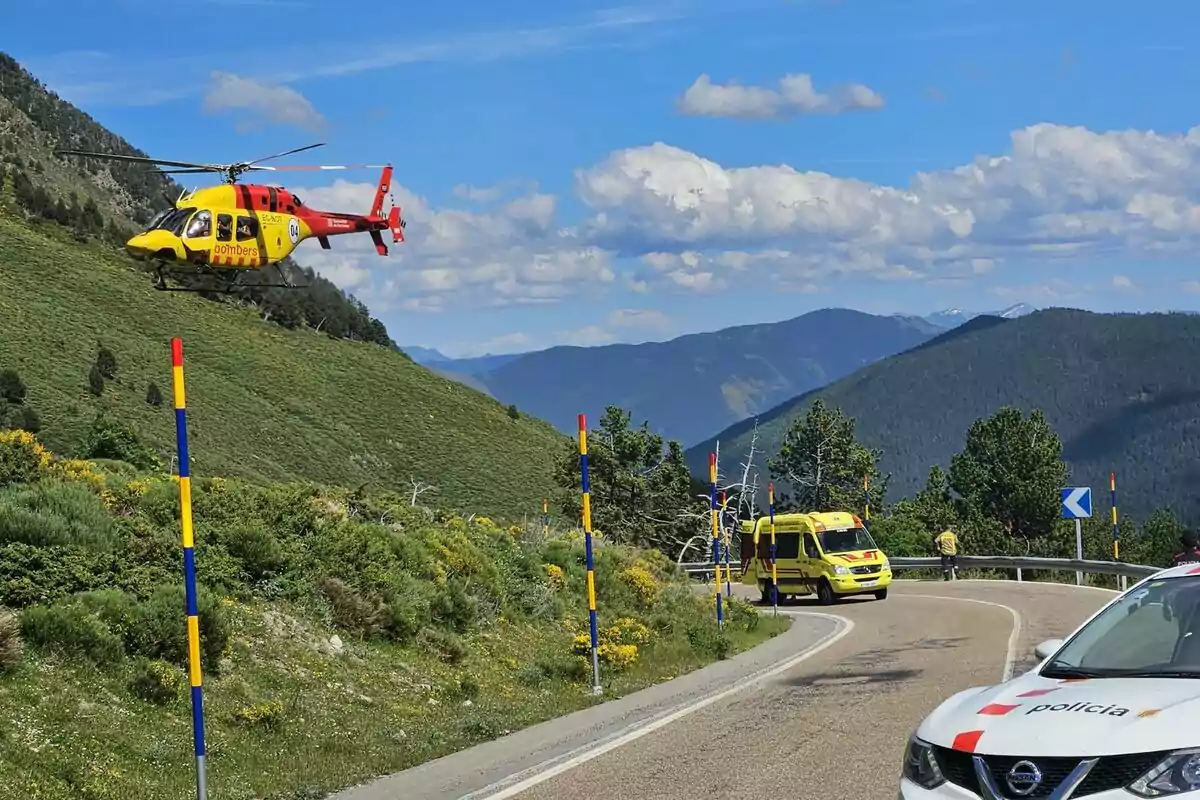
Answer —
1047 648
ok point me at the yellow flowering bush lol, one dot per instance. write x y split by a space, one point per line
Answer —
22 457
485 522
627 630
266 715
558 578
641 580
77 470
618 656
618 645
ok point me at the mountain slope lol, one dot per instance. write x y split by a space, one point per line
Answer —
1120 389
264 402
693 385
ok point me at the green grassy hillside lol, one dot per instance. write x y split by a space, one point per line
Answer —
1120 389
264 402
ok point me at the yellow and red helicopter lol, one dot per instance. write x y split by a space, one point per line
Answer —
226 231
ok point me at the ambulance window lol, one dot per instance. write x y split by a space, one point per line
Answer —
247 228
810 546
787 545
201 225
224 228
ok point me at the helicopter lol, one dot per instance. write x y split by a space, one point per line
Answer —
229 230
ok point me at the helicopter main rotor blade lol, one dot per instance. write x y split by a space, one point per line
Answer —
140 160
281 155
321 167
196 171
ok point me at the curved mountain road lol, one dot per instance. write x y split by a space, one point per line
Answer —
823 710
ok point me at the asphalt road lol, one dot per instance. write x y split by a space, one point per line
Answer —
822 711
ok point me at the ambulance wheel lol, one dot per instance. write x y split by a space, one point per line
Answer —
825 595
881 594
766 593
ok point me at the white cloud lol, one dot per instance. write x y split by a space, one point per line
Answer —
639 318
1123 283
1192 287
587 336
279 104
659 218
1060 193
795 95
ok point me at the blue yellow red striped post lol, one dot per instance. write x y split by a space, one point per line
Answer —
866 503
727 537
774 571
1112 486
591 562
189 569
712 497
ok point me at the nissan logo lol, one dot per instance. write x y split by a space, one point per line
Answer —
1024 778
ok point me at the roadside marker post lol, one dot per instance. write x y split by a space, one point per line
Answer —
545 517
774 572
1077 504
189 568
712 502
1112 486
591 563
727 525
866 503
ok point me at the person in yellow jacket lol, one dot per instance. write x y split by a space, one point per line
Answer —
946 543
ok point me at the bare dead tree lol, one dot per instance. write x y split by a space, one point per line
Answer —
419 488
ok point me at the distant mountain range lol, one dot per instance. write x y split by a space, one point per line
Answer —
1118 388
953 317
693 385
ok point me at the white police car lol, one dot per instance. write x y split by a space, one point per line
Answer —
1112 712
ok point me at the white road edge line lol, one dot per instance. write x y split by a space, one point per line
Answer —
1010 657
1017 583
587 752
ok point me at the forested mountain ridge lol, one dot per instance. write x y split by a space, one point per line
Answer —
110 200
1121 390
692 385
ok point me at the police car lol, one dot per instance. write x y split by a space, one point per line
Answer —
1111 712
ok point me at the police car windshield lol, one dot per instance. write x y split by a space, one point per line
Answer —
1152 632
845 541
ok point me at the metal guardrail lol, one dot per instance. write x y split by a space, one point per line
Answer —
1018 563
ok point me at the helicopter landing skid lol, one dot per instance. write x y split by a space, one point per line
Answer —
231 285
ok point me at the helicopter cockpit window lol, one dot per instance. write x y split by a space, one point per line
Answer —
201 225
171 220
297 201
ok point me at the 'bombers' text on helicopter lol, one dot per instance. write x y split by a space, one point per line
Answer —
228 230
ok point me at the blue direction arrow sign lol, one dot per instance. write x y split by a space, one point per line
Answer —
1076 502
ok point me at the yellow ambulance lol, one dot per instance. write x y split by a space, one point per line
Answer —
829 553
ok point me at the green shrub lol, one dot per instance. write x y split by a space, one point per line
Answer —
351 610
268 715
115 440
38 575
12 648
446 646
261 555
12 388
156 682
48 514
68 628
707 640
21 458
160 628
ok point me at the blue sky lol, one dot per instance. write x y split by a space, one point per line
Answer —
591 172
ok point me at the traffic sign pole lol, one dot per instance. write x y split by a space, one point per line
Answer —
1078 550
1076 502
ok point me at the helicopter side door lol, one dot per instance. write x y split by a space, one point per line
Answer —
197 236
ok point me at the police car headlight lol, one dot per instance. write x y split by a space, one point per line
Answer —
1177 773
920 766
838 569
